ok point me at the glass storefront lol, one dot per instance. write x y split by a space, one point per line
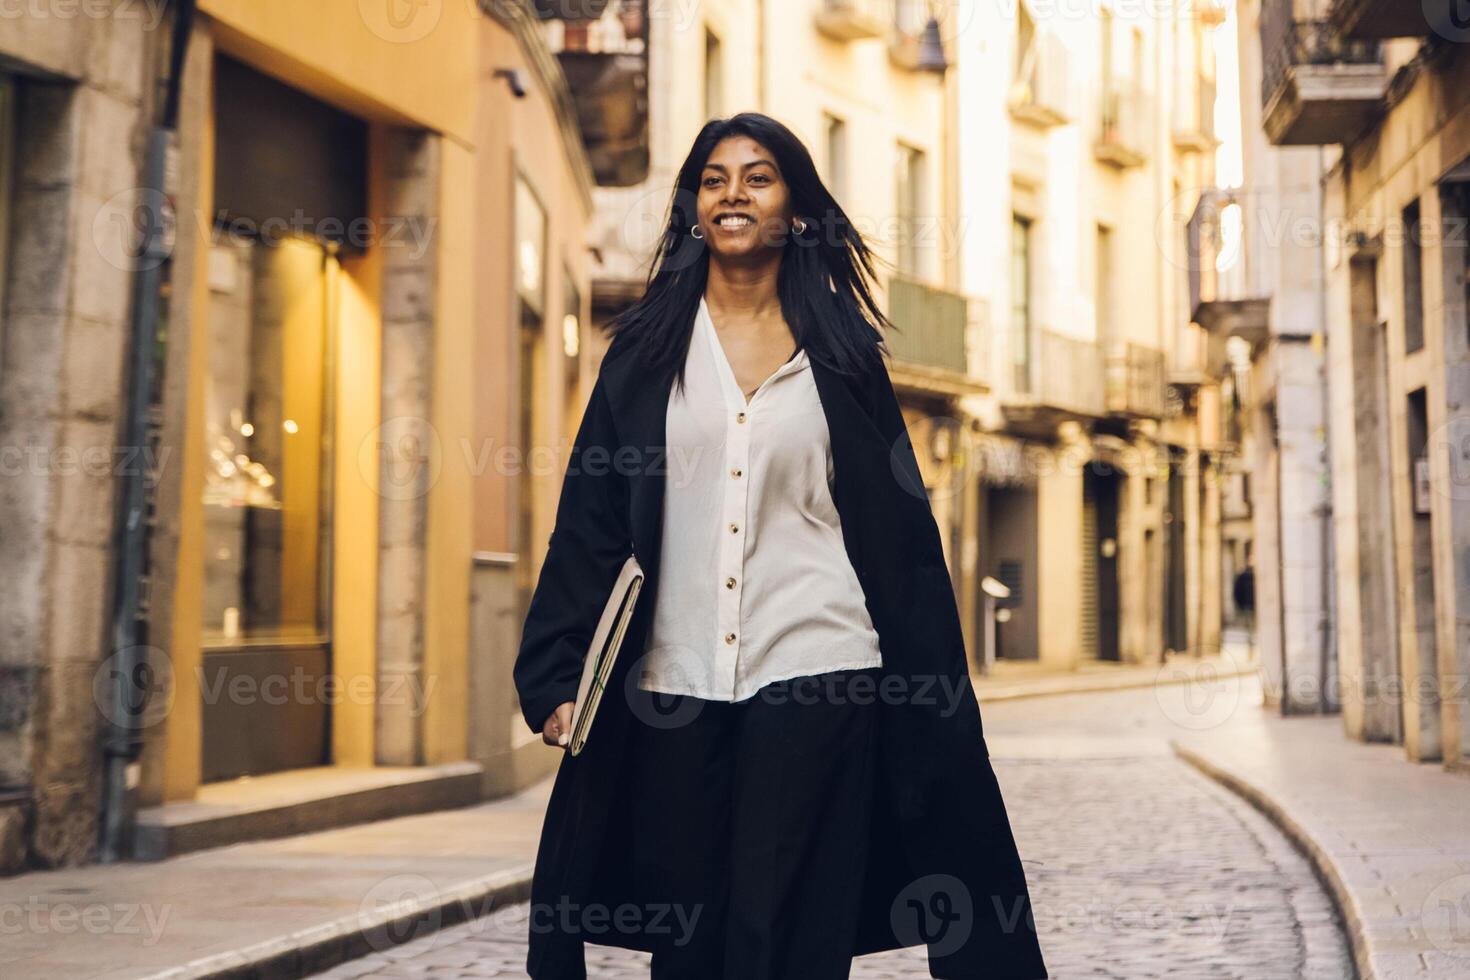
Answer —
267 513
267 507
289 179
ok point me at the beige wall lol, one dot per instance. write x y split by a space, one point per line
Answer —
418 71
521 136
534 140
794 73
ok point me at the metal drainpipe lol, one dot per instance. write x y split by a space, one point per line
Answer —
131 677
1324 510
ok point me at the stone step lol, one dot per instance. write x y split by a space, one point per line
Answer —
300 801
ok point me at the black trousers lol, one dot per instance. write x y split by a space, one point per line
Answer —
752 822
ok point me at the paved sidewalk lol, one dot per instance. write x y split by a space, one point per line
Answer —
273 908
1011 680
1391 839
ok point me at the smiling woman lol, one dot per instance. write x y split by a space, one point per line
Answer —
794 767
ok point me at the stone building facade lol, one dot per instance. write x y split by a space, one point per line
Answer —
333 553
1372 102
1088 143
77 93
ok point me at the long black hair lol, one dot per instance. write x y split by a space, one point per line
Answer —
826 271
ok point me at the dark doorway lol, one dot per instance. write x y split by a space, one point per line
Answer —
1100 490
1011 529
1421 502
1176 620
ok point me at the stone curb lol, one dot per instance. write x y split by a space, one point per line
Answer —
1158 679
1321 861
309 951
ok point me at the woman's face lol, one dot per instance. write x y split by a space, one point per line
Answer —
744 205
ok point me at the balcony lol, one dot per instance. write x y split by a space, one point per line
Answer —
855 20
1063 381
931 345
1194 119
1038 95
1317 87
1122 139
1214 302
1191 363
1247 318
1135 381
1380 20
605 63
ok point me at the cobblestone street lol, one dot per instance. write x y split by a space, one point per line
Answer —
356 354
1139 867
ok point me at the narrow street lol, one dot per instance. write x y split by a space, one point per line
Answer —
1139 867
338 344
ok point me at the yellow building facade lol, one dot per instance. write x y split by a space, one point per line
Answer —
360 332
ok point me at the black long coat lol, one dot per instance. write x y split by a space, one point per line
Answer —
943 867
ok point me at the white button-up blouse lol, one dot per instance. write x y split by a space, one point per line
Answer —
755 584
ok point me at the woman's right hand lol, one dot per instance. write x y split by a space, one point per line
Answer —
558 727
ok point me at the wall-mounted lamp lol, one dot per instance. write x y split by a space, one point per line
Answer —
513 77
931 49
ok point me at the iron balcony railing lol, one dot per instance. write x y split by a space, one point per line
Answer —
1135 380
1189 360
1398 18
932 325
1124 126
1287 41
1039 90
1202 243
1068 374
